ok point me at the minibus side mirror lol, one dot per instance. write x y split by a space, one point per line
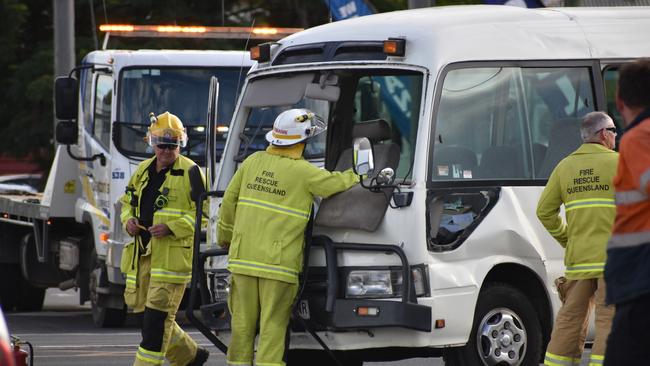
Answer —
364 163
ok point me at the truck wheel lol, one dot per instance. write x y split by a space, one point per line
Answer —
103 317
506 331
9 285
31 297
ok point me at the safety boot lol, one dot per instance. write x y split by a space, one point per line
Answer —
202 355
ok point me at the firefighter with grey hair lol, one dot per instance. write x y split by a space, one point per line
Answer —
583 183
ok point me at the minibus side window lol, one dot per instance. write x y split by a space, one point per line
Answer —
610 78
508 123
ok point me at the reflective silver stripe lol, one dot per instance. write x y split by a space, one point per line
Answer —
558 230
587 267
600 202
239 363
125 215
131 279
159 272
170 212
149 356
628 240
273 207
189 219
644 180
596 360
555 360
263 267
630 197
225 226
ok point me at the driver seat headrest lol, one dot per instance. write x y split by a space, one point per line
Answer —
375 130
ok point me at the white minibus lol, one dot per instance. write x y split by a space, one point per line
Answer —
471 108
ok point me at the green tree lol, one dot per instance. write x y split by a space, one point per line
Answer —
26 48
26 78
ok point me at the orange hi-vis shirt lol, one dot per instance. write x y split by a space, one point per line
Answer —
628 266
632 184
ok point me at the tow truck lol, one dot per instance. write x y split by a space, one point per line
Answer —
69 235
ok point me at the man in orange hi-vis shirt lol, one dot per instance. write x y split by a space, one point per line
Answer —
627 272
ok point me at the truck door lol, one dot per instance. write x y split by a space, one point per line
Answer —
96 140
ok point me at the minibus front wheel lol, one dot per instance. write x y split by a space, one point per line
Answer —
506 331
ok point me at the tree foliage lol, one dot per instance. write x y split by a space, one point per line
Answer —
26 49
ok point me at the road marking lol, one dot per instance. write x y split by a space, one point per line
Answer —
135 332
84 346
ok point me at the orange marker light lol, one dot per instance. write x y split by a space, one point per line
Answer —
103 237
128 30
261 53
395 46
255 53
440 323
367 311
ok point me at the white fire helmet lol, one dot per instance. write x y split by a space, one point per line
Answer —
294 126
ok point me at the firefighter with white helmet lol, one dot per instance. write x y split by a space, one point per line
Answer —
158 212
262 221
294 126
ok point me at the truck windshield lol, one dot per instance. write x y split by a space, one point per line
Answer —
181 91
385 102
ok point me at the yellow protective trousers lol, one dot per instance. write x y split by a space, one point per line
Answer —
162 338
269 301
570 329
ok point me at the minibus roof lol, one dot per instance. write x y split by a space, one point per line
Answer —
442 35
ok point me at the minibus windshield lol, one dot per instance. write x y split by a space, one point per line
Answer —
343 98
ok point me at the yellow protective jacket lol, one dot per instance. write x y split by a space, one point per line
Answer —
171 256
266 208
583 183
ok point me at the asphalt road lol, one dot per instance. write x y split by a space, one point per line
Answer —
63 335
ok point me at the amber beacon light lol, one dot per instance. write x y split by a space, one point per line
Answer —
129 30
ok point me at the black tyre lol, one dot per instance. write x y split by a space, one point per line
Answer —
10 285
506 331
103 317
31 297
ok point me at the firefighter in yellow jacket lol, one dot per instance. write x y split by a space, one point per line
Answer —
158 213
262 220
582 182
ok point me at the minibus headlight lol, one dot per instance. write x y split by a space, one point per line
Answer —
378 283
369 284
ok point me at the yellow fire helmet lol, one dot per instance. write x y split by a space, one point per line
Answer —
166 129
